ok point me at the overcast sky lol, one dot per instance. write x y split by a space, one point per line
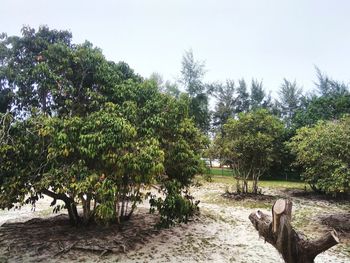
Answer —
267 40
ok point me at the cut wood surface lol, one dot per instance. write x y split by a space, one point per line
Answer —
278 231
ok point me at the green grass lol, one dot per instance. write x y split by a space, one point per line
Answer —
281 184
224 175
220 171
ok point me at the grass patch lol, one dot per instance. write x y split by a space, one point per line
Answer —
219 171
282 184
301 218
279 184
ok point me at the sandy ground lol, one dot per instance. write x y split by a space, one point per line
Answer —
222 233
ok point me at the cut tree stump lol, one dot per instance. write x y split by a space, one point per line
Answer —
279 233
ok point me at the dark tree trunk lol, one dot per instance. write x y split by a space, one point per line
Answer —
255 186
74 218
86 208
279 233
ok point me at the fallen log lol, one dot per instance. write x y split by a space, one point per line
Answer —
278 231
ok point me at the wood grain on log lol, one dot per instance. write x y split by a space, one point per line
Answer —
278 232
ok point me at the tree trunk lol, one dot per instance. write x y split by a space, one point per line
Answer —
255 185
238 185
245 186
74 218
279 233
86 208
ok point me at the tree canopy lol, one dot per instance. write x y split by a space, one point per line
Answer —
250 145
88 131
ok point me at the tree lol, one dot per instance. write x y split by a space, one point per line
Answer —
6 99
242 100
24 65
327 86
172 89
258 97
332 102
289 100
6 96
321 108
82 129
98 159
45 71
166 87
279 232
192 74
251 145
323 153
225 102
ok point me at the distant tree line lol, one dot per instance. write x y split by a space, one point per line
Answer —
94 134
257 135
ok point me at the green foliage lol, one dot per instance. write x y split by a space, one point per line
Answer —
106 191
175 207
329 87
258 97
250 145
98 158
232 100
225 106
333 102
323 153
45 71
289 100
87 131
6 98
242 100
322 108
192 74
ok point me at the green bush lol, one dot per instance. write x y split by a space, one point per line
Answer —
176 207
323 153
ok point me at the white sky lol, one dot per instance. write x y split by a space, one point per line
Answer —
264 39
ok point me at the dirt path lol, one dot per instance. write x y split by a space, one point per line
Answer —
223 233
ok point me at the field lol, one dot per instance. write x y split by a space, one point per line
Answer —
221 233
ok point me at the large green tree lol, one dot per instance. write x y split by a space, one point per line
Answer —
81 159
251 145
88 131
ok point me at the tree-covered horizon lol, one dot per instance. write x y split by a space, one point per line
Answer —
85 130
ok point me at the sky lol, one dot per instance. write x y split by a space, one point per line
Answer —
264 39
